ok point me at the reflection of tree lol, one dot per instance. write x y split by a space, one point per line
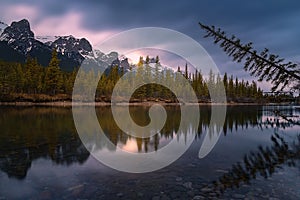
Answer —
32 133
237 116
50 133
281 117
262 162
140 116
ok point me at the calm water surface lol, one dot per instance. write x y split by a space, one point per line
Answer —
42 157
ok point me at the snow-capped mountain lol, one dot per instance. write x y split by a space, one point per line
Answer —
46 38
2 27
77 49
18 41
19 36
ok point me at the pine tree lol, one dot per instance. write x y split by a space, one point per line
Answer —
186 71
147 78
211 80
230 87
219 87
157 60
225 82
236 87
141 62
178 69
147 59
141 92
201 87
53 77
263 65
156 88
20 78
28 75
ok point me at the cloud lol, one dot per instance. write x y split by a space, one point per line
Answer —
10 13
70 24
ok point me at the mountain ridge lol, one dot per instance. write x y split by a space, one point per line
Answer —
17 42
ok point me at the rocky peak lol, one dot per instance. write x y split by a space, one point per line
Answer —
21 25
20 37
68 44
18 31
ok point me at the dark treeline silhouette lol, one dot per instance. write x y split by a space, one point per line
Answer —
32 82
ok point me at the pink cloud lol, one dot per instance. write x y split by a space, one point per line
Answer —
10 13
69 24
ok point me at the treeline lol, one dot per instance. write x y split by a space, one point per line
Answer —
30 81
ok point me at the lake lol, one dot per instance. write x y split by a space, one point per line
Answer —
256 156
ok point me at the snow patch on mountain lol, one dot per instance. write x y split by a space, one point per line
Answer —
46 39
72 51
2 27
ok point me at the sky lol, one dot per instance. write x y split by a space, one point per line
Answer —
273 24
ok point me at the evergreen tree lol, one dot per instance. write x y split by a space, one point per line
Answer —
186 71
141 62
20 81
230 87
157 60
219 87
178 69
53 77
147 59
211 80
202 91
141 92
263 65
225 82
148 78
236 87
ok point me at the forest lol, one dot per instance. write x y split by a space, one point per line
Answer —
32 82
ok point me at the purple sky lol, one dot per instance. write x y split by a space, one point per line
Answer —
271 24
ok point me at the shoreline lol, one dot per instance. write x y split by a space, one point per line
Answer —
146 103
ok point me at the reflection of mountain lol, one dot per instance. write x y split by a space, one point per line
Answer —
30 134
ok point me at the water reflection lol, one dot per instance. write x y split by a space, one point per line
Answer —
262 162
236 117
31 133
